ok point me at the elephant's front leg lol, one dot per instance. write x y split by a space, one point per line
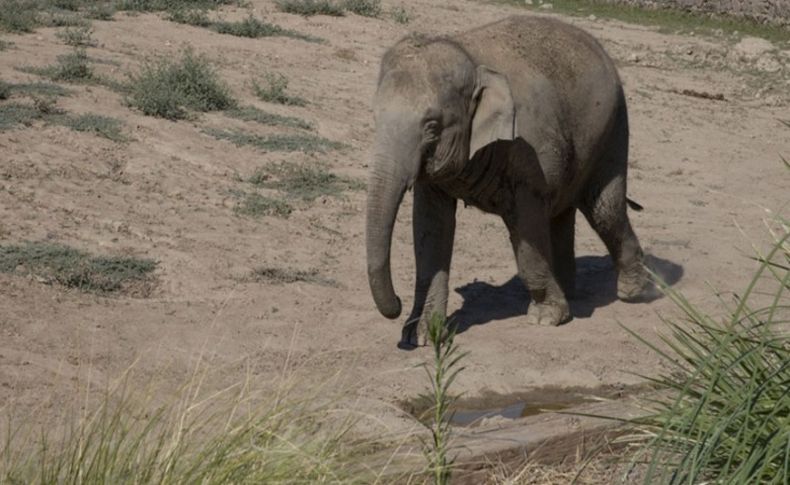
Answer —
434 229
530 235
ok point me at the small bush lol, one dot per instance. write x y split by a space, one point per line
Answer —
400 15
5 45
40 89
284 276
100 11
274 91
251 113
103 126
303 181
12 114
168 89
18 16
169 5
366 8
73 67
310 7
72 268
276 143
77 37
253 28
257 205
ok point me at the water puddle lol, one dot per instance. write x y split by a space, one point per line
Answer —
492 407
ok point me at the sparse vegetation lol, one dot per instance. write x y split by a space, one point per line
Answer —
191 16
72 268
666 18
12 114
366 8
103 126
400 15
276 143
78 36
284 276
303 181
274 91
309 8
5 90
100 11
251 113
257 205
169 5
167 89
38 89
18 16
253 28
5 45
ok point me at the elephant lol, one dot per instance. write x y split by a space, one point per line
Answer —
524 118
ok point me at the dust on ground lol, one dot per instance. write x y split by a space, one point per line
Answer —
707 169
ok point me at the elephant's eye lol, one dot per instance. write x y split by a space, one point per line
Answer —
431 131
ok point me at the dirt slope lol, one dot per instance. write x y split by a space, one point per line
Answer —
702 168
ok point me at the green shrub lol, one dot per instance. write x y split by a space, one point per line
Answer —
251 113
5 45
18 16
276 143
167 89
77 37
169 5
12 114
73 68
726 420
39 89
5 90
253 28
101 11
309 7
274 91
366 8
195 17
400 15
73 268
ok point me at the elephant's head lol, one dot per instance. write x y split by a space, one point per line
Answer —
434 108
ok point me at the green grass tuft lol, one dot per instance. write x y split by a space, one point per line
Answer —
12 114
194 17
257 205
303 181
726 417
277 143
73 268
169 5
167 89
274 91
284 276
5 45
251 113
40 89
366 8
5 90
253 28
309 8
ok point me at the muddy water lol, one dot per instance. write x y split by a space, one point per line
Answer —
477 410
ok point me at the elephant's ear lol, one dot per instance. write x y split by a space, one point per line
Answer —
494 112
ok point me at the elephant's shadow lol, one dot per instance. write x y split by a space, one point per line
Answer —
596 286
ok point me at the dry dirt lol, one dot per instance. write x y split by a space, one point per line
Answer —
707 172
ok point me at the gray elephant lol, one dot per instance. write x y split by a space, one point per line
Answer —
524 118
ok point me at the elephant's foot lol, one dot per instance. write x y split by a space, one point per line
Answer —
633 284
415 334
548 313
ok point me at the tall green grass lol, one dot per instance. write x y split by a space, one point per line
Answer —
728 416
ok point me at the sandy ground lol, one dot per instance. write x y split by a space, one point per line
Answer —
704 170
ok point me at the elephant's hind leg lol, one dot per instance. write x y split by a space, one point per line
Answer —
604 206
563 228
434 230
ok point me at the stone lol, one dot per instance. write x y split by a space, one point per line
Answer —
751 48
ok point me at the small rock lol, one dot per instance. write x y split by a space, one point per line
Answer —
634 57
592 17
527 2
767 63
547 6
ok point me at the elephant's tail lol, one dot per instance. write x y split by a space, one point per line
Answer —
634 205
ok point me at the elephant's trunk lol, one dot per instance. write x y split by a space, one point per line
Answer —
385 192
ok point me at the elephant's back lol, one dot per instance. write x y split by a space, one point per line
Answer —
566 55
